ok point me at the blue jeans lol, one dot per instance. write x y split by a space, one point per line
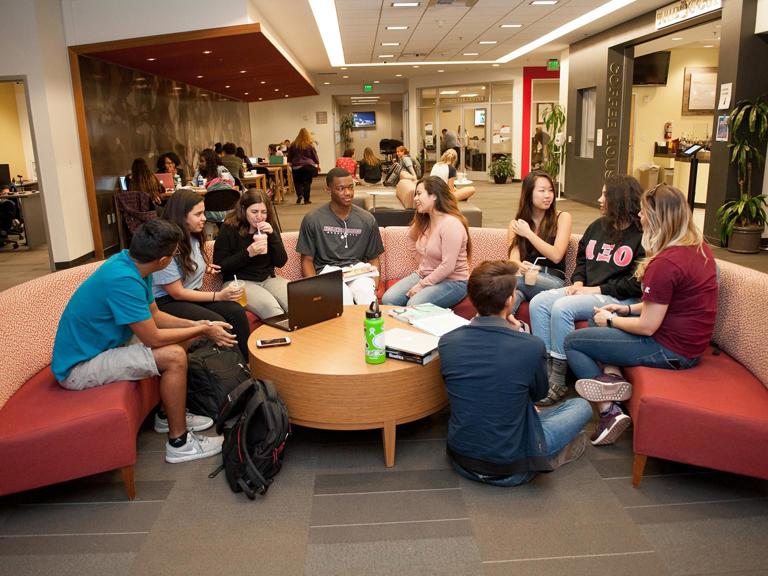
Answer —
445 294
560 424
585 348
544 281
554 315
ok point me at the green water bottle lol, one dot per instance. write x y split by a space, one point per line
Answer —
374 335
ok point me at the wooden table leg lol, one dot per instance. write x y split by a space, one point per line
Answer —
279 184
388 435
291 186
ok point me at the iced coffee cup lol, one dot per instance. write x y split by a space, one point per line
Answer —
240 285
531 275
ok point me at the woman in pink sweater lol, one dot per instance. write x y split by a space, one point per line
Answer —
439 239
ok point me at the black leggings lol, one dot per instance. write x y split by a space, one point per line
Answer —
302 180
227 311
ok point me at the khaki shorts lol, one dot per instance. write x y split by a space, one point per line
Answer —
128 362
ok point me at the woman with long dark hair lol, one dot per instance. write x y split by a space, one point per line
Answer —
305 164
605 266
211 171
538 231
142 180
247 161
177 287
439 238
249 246
672 326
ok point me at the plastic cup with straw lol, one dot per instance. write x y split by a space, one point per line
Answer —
532 274
239 284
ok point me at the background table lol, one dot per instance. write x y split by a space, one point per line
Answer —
324 380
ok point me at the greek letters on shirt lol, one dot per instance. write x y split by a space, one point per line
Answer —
621 256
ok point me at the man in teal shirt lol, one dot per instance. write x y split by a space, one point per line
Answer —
112 330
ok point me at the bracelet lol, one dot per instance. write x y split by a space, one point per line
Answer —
629 309
214 297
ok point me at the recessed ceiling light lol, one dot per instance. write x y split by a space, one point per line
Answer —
343 67
543 2
390 43
376 82
178 87
246 93
277 89
416 66
470 95
677 38
470 54
199 76
243 71
708 46
263 82
227 86
386 55
260 99
495 65
511 26
397 27
207 51
487 42
203 94
326 83
151 59
285 95
345 76
441 70
449 91
398 75
404 4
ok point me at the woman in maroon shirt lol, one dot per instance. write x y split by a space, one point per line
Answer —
670 328
302 157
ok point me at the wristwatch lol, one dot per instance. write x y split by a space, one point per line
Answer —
609 321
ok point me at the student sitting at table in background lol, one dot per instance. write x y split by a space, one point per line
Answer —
493 374
340 234
177 287
170 163
209 171
439 238
231 162
141 179
247 161
348 162
446 169
370 167
249 246
538 233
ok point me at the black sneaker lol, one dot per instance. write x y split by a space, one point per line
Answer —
611 426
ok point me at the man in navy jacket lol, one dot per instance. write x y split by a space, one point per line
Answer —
494 373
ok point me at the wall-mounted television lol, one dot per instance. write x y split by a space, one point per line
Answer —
364 119
479 117
651 69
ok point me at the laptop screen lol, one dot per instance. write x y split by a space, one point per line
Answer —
123 184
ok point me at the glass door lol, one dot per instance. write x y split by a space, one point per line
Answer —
474 142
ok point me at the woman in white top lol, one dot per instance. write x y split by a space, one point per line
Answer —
446 169
407 184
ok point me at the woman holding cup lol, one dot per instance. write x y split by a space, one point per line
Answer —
538 238
177 288
249 247
605 266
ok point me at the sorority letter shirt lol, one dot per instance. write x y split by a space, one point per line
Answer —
98 315
683 279
336 242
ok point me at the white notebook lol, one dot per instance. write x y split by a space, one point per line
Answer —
441 324
410 341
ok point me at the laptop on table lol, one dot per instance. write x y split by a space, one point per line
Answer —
310 301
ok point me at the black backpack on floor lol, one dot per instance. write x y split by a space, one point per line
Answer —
212 373
254 422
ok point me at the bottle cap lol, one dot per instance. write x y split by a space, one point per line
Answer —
373 311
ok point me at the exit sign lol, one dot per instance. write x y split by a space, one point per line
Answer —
553 65
367 87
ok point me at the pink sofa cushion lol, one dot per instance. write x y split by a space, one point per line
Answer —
49 434
712 415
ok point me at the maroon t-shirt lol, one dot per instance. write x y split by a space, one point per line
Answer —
681 278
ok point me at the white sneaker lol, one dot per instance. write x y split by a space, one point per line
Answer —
195 448
195 423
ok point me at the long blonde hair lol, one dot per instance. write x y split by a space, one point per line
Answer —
370 158
303 140
668 222
449 157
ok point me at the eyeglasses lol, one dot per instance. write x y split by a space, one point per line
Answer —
341 188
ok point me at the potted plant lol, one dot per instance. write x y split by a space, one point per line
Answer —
742 220
554 122
345 131
502 168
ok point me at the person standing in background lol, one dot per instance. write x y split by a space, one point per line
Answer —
305 164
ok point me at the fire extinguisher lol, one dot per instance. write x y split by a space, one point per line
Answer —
668 131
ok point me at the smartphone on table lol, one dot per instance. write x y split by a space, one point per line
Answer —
273 342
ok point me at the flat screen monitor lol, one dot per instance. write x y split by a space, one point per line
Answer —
479 117
651 69
364 119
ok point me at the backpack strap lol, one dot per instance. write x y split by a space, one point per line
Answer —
252 481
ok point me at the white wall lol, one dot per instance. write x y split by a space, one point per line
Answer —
385 120
26 130
33 48
656 105
761 20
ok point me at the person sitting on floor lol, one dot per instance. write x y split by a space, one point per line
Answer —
446 169
341 234
672 326
113 330
439 238
348 162
370 167
494 373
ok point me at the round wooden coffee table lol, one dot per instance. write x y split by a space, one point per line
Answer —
325 382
